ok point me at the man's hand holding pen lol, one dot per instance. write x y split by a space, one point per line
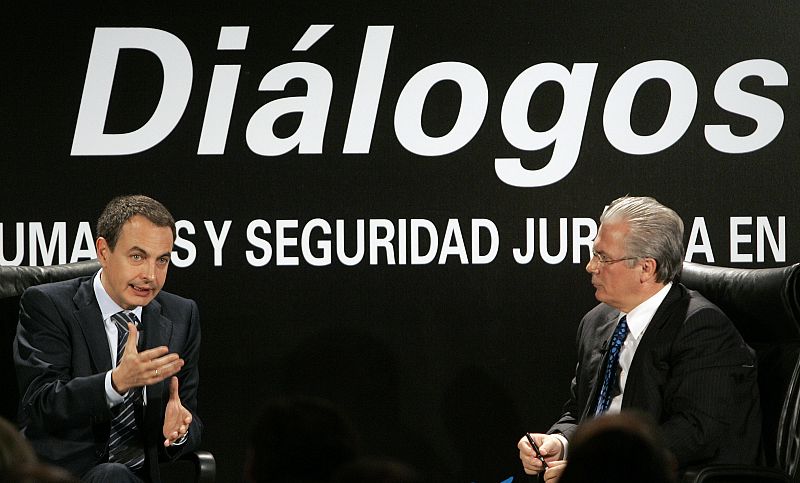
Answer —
541 452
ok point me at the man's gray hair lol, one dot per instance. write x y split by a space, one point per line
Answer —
655 232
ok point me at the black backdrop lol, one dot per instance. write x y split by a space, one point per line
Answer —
442 365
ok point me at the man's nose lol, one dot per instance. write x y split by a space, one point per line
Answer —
149 270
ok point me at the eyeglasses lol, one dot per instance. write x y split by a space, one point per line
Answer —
604 260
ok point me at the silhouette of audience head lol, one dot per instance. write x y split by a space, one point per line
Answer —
299 440
371 470
14 449
18 461
41 473
619 448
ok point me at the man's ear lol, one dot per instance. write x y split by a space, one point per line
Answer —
103 251
649 266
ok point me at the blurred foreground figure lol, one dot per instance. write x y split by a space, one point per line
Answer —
618 448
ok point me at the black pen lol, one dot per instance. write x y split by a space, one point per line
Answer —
536 450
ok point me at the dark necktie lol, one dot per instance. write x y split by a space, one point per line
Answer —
124 446
610 379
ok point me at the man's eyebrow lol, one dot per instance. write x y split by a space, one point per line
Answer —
139 249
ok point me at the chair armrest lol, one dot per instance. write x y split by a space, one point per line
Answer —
741 473
204 464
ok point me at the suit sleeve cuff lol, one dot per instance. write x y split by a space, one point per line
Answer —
181 440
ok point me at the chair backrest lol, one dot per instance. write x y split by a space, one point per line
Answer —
764 304
14 281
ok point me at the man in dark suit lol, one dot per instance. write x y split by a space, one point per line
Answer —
102 394
654 346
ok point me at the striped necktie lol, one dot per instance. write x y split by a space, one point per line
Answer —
610 378
124 446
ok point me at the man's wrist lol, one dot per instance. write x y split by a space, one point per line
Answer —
564 444
114 384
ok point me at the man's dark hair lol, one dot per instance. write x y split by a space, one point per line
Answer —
122 208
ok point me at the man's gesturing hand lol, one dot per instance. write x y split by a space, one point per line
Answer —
137 369
176 417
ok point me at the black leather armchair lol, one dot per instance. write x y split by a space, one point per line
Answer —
764 304
14 281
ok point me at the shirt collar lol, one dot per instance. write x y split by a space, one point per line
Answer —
107 305
639 318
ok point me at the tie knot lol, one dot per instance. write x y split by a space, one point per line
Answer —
619 335
622 327
121 319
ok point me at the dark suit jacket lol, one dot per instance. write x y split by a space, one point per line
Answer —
61 354
692 372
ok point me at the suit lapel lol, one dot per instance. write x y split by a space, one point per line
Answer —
156 331
653 336
157 328
90 321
